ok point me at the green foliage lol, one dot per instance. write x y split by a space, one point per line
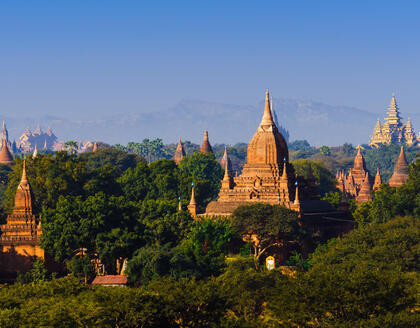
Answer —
273 226
152 150
111 156
81 267
325 151
368 278
206 173
207 245
37 274
72 146
325 181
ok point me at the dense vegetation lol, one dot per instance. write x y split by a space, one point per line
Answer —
206 273
333 158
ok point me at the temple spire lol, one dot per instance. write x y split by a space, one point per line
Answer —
206 147
179 152
192 206
227 179
378 179
297 202
267 118
5 155
35 153
95 147
400 175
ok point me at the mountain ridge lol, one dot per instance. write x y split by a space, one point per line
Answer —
317 122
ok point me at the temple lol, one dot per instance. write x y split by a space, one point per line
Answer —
400 175
206 147
268 177
5 156
393 131
179 152
358 182
19 239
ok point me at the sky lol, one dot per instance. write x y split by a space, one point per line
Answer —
90 58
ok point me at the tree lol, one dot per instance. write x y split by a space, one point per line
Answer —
72 146
265 227
390 202
348 149
115 157
324 180
325 151
365 279
206 173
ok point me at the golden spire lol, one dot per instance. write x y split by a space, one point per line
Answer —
95 147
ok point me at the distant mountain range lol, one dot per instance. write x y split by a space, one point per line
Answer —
317 122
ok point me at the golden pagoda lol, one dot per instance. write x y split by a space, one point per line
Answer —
19 239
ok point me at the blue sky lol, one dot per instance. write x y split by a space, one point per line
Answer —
88 58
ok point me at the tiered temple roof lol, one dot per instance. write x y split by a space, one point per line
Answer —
393 130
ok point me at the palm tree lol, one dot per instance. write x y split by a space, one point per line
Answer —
72 145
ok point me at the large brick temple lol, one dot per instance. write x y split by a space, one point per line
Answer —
268 177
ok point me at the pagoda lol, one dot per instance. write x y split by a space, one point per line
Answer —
400 175
179 152
358 183
205 146
393 131
19 239
5 155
